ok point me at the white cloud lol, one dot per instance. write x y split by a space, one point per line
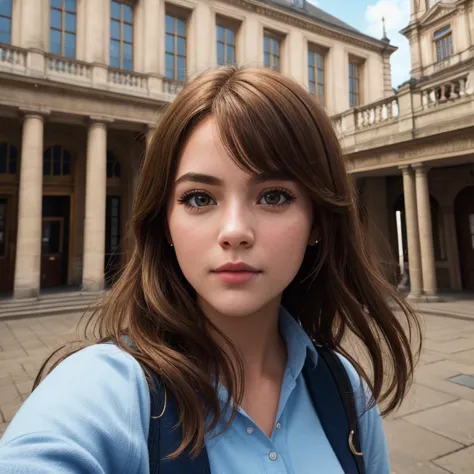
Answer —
397 16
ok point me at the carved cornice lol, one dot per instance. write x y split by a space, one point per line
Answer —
302 22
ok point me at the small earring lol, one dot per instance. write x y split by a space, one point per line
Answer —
171 245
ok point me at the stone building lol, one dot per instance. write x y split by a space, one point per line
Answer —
82 87
413 153
83 84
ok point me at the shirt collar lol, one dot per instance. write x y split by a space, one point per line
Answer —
298 344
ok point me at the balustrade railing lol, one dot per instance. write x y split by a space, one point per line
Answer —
68 67
378 112
128 79
449 91
171 86
12 55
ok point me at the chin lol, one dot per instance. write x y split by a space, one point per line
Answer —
237 304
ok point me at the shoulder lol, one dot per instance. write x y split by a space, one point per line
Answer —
95 402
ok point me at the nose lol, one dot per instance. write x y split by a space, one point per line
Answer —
237 229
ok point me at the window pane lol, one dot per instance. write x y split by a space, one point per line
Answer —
66 164
70 45
311 88
276 62
182 46
115 10
127 13
127 51
267 60
266 44
114 53
181 69
220 33
321 93
169 40
55 42
47 162
70 22
311 74
230 54
320 76
13 159
230 36
6 8
310 58
181 27
320 61
220 53
115 29
3 158
442 31
56 19
71 5
169 66
5 30
128 33
276 47
169 21
56 3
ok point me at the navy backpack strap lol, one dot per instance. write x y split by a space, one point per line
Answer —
333 398
165 436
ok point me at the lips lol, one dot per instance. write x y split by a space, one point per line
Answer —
236 273
236 267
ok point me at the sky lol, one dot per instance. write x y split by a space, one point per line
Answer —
366 16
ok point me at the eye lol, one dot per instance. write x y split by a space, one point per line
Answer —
276 197
196 200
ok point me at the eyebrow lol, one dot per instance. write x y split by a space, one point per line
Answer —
215 181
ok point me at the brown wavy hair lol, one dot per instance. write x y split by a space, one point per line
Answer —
267 122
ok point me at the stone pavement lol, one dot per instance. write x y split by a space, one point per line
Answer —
432 433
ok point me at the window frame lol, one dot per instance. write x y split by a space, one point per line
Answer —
272 37
51 174
9 19
121 40
444 39
62 30
355 97
177 15
8 159
227 24
317 51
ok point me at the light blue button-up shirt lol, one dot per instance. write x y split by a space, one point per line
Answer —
92 413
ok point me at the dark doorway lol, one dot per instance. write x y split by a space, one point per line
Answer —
7 257
464 208
112 239
55 241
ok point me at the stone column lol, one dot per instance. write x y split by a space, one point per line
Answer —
32 34
413 239
426 231
28 248
94 223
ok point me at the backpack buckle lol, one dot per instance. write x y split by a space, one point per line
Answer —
351 445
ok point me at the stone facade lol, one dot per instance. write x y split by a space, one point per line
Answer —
83 84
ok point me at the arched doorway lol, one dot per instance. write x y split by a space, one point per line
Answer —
56 216
464 209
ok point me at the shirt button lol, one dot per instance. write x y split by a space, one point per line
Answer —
249 430
278 426
273 456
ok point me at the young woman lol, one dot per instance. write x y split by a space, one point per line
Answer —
250 260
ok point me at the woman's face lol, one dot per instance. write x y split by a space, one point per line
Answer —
239 238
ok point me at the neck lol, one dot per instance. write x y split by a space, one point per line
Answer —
256 337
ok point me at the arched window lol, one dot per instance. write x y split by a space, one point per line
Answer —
8 158
113 166
56 161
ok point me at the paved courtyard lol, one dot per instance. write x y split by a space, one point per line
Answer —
432 433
